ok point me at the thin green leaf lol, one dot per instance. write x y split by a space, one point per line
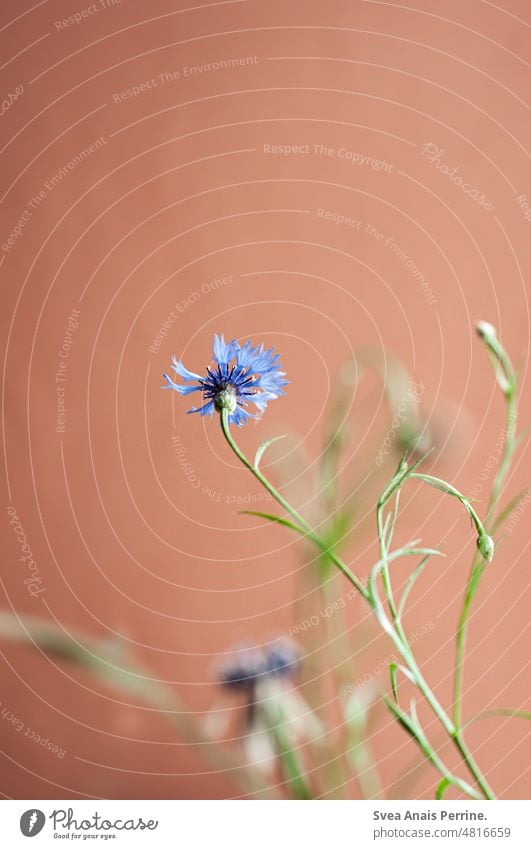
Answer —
409 551
404 719
437 483
410 724
394 668
386 527
411 580
506 512
263 448
324 545
270 517
278 520
314 537
388 537
441 788
400 477
516 714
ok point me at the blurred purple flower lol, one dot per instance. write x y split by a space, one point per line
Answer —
252 665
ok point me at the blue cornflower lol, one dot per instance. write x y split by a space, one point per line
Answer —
283 659
239 374
245 670
252 665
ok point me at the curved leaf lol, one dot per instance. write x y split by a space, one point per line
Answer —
516 714
506 512
442 786
277 519
411 580
394 668
405 721
410 551
263 448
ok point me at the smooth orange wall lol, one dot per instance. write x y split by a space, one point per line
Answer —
187 205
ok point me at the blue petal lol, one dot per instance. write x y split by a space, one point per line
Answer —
223 351
261 399
245 356
205 410
256 359
183 372
240 417
182 390
271 382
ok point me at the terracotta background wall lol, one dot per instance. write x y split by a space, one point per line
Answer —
183 207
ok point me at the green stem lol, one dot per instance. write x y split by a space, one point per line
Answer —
386 577
462 627
477 565
312 535
439 711
290 765
508 451
472 765
400 639
422 684
397 633
453 729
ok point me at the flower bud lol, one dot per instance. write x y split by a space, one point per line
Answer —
225 400
485 330
485 545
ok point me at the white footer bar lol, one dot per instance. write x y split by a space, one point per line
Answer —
266 824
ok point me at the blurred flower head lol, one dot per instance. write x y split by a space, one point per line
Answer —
252 665
237 376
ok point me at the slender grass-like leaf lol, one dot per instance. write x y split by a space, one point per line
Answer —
279 520
517 714
442 787
404 719
411 725
394 669
506 512
409 585
263 448
407 551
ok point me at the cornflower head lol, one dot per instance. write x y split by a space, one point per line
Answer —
237 375
277 719
252 665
